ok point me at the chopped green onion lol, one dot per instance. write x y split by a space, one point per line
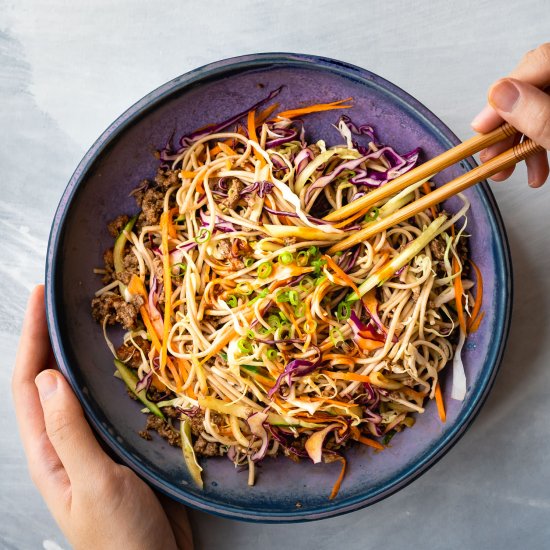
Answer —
244 346
232 301
318 266
260 295
283 296
182 268
336 336
286 258
244 289
320 279
250 334
313 251
372 215
265 331
388 437
302 258
271 354
283 317
223 355
293 297
248 262
306 284
343 312
274 321
203 235
264 270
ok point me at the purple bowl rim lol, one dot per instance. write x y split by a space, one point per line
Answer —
436 127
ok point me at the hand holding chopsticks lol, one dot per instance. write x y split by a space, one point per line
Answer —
473 145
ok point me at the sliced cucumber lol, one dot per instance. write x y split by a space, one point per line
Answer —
131 380
189 453
120 243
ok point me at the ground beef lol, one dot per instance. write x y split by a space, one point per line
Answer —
462 250
152 205
171 412
167 178
109 264
164 429
145 434
196 422
131 267
225 251
117 310
206 448
158 270
233 194
117 225
139 192
437 247
130 355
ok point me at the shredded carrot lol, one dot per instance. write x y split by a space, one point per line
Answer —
439 403
215 150
265 114
226 149
427 190
351 219
253 136
338 483
476 322
369 299
165 221
370 442
188 174
341 360
347 376
458 296
293 113
477 301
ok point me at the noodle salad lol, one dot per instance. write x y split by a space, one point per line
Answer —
250 332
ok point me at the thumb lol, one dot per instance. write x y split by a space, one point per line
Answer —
525 107
68 430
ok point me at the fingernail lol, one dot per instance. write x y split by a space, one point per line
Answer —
46 382
504 95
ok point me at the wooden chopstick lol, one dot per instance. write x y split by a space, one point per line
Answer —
505 160
426 170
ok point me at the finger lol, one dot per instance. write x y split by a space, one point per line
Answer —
533 69
537 169
69 432
495 150
488 119
33 355
179 521
525 107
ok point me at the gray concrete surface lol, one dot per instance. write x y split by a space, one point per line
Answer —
68 68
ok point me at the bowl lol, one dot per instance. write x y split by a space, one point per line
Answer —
98 191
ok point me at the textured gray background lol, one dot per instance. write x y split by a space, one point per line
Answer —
68 68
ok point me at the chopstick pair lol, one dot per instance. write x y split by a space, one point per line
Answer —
363 205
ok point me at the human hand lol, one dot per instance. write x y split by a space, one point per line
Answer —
522 101
97 503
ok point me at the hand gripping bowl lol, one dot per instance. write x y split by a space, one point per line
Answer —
98 191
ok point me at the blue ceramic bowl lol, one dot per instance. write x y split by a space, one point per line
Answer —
98 191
